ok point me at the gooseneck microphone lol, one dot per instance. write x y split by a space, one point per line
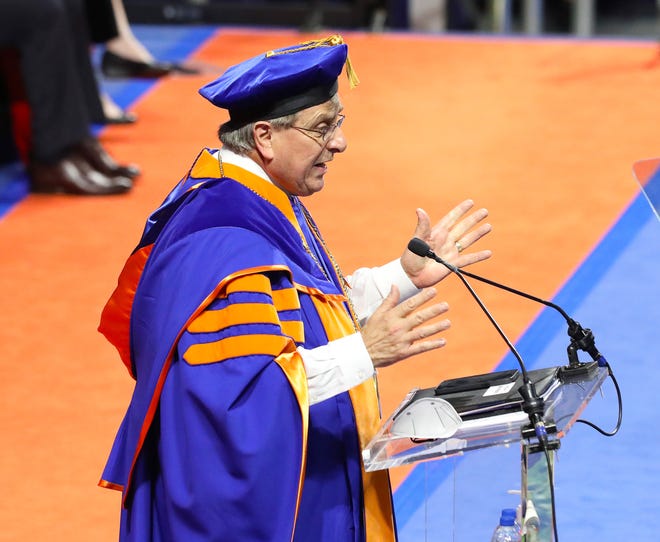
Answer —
532 403
581 338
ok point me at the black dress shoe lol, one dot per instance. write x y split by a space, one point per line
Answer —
93 152
121 182
67 177
115 66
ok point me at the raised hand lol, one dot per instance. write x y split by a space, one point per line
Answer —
449 238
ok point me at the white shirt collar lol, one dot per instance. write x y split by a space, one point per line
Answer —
230 157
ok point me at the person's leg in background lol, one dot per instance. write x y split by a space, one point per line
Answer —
126 56
63 99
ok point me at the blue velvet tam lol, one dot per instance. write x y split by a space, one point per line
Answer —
281 82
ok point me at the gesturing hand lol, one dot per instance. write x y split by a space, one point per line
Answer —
396 331
455 232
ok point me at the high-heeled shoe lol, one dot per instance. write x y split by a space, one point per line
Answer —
115 66
124 117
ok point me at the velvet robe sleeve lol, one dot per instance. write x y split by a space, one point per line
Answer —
231 420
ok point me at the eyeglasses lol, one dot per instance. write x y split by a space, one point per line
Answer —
322 134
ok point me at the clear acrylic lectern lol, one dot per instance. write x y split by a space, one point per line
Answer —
563 403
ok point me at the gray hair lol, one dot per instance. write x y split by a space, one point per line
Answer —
240 139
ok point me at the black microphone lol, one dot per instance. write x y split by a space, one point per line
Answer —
419 247
532 404
581 338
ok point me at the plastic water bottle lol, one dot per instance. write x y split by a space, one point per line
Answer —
507 530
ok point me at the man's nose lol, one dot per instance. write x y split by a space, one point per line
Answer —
337 142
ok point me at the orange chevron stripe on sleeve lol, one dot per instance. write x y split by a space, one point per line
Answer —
249 283
234 347
294 329
286 299
240 313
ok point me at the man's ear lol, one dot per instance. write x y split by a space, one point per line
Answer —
263 136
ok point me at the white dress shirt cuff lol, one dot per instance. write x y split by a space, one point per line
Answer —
336 367
393 273
369 286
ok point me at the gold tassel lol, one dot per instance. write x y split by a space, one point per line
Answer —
353 79
330 41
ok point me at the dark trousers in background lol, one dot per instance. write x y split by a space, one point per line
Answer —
51 39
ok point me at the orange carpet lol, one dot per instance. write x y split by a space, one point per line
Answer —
542 133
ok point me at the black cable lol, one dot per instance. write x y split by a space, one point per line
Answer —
546 451
620 401
551 485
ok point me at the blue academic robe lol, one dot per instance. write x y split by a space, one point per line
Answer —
219 442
